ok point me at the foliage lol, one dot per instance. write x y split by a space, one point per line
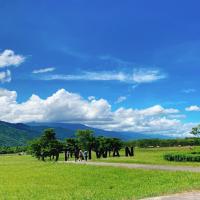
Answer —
85 139
183 157
144 143
46 146
195 131
12 136
11 150
71 144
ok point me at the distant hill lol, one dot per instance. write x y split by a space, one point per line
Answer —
70 129
14 134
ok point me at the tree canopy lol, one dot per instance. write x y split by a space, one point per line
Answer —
196 131
46 146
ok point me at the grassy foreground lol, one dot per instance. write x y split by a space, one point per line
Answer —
23 177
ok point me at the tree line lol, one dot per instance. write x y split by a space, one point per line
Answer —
145 143
12 150
48 146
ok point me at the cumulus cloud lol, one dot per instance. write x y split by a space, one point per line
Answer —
5 76
43 70
90 98
138 76
121 99
63 106
9 58
193 108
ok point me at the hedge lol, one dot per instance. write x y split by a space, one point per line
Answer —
183 157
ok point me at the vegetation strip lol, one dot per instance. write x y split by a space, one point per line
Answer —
139 166
183 157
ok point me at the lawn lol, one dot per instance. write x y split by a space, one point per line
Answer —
23 177
151 156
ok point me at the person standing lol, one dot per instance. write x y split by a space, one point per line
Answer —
76 154
68 154
85 155
80 155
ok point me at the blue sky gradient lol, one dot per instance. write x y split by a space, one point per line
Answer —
114 42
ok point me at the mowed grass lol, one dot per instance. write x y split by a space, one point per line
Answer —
23 177
151 156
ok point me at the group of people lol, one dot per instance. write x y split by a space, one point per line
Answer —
78 154
82 155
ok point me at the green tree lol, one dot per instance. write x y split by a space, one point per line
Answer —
46 146
100 147
71 143
85 138
196 131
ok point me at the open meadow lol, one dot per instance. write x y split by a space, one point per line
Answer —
24 177
150 156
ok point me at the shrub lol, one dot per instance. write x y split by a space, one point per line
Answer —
11 150
183 157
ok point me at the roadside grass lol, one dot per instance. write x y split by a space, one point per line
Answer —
24 177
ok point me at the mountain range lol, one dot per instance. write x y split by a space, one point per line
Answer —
14 134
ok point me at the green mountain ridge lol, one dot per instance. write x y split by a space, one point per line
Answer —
19 134
10 136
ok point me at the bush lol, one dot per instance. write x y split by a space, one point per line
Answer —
11 150
183 157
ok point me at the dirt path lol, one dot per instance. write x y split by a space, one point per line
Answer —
182 196
140 166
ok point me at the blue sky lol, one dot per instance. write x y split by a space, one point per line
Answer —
133 54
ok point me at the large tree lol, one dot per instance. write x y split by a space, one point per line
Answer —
85 140
195 131
46 146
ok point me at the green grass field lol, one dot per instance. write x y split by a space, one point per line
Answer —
151 156
24 177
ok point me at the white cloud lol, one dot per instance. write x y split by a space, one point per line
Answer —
121 99
138 76
193 108
9 58
90 98
64 106
43 70
189 90
5 76
89 76
157 110
146 76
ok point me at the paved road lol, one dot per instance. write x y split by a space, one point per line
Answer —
140 166
183 196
